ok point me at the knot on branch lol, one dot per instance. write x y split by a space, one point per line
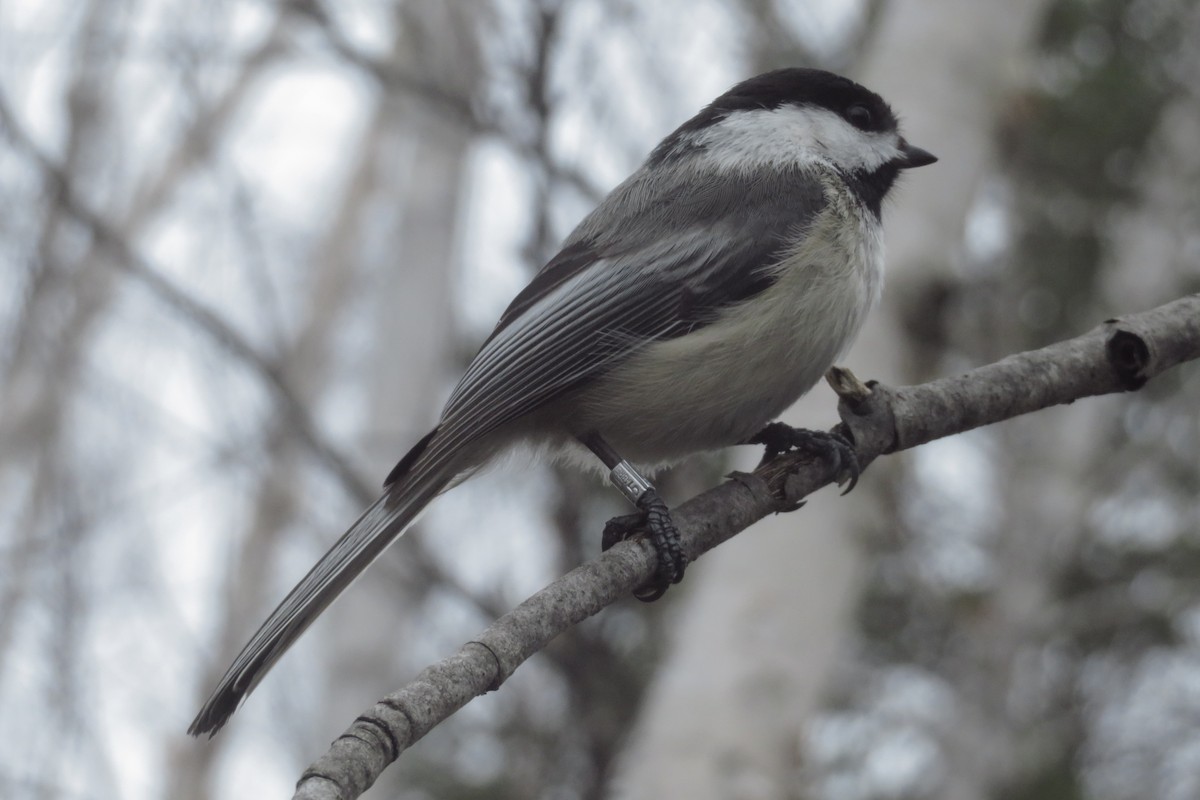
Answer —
867 412
1129 356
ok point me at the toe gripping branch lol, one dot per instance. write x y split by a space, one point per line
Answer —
836 449
653 517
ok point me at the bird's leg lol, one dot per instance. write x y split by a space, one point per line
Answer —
777 437
653 517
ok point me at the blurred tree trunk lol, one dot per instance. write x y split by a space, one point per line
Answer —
407 234
950 69
769 612
51 521
1001 624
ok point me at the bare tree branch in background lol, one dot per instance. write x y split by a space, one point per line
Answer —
1118 356
305 361
109 238
191 151
474 116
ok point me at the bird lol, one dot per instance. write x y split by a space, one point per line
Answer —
703 296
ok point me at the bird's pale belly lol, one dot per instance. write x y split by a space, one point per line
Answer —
719 385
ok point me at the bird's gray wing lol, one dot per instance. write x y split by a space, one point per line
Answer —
688 252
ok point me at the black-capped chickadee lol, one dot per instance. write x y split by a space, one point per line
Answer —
703 296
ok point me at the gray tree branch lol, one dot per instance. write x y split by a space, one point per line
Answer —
1119 355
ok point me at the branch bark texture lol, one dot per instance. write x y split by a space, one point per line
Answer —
1119 355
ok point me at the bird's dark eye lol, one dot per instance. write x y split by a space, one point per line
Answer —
860 116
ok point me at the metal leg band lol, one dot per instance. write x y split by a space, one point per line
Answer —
629 482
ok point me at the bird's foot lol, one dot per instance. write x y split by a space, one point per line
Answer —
654 520
833 448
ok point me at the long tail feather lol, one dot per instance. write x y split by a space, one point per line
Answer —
382 523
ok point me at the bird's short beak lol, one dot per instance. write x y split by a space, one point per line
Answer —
913 156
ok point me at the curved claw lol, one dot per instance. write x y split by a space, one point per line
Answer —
665 538
778 437
618 529
654 520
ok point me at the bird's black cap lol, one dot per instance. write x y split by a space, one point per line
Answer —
799 86
791 86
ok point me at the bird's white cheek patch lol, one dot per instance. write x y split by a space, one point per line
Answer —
792 135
